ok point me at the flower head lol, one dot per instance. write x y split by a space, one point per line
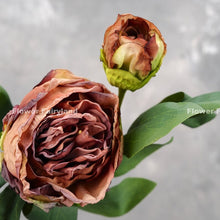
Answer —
62 144
132 52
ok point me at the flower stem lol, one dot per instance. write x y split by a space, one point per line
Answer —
121 94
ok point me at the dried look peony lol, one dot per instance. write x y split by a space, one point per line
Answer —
62 144
132 53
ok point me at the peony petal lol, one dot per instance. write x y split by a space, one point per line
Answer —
9 119
133 58
58 73
112 34
91 192
12 152
151 47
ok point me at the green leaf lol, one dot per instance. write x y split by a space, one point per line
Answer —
194 121
159 120
32 212
198 120
176 97
128 164
122 198
5 104
204 101
209 101
154 124
2 181
11 205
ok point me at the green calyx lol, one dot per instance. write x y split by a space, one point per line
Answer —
124 79
160 53
45 206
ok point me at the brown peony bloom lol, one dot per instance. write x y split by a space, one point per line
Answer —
135 46
62 144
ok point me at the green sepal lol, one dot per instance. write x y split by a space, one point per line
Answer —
160 53
44 206
124 79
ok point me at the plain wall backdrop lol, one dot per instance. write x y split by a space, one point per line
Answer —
39 35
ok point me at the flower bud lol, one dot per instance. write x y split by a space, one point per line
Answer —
132 52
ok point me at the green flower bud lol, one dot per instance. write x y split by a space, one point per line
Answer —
132 52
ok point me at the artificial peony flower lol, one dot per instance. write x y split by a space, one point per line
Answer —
133 50
62 144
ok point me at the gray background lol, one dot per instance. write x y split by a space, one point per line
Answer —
39 35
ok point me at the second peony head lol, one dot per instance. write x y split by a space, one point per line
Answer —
132 52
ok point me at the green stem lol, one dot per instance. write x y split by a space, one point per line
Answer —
121 94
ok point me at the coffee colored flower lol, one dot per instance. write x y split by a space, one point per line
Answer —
62 144
133 51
